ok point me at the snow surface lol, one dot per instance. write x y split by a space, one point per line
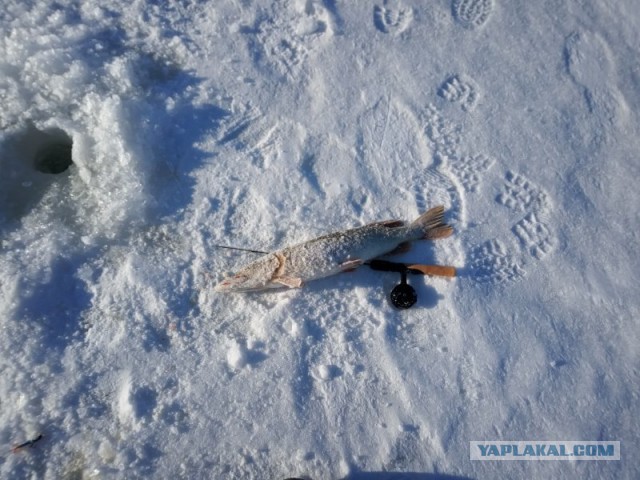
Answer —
261 123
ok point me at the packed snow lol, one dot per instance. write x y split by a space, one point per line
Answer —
138 136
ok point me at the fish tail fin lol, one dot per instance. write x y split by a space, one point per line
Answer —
431 224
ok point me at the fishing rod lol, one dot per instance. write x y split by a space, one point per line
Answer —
403 295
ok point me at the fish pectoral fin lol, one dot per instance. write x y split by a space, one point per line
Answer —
291 282
351 265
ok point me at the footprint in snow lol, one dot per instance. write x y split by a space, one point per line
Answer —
392 19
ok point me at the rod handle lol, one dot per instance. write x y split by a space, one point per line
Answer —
434 270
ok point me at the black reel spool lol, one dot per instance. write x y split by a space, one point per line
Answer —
402 296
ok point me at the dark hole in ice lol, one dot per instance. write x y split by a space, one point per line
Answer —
54 157
33 163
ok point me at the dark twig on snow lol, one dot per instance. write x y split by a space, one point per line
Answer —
28 443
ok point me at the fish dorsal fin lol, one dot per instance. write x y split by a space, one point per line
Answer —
390 223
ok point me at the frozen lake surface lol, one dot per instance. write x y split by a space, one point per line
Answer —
135 136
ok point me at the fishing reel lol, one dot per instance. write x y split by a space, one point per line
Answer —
403 295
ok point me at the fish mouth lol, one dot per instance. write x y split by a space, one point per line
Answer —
232 284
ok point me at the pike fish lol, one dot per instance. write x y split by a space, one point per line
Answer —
334 253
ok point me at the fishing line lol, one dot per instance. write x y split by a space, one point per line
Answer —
240 249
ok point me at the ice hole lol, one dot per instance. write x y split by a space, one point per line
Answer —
54 154
32 162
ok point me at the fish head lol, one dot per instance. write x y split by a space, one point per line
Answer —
255 276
